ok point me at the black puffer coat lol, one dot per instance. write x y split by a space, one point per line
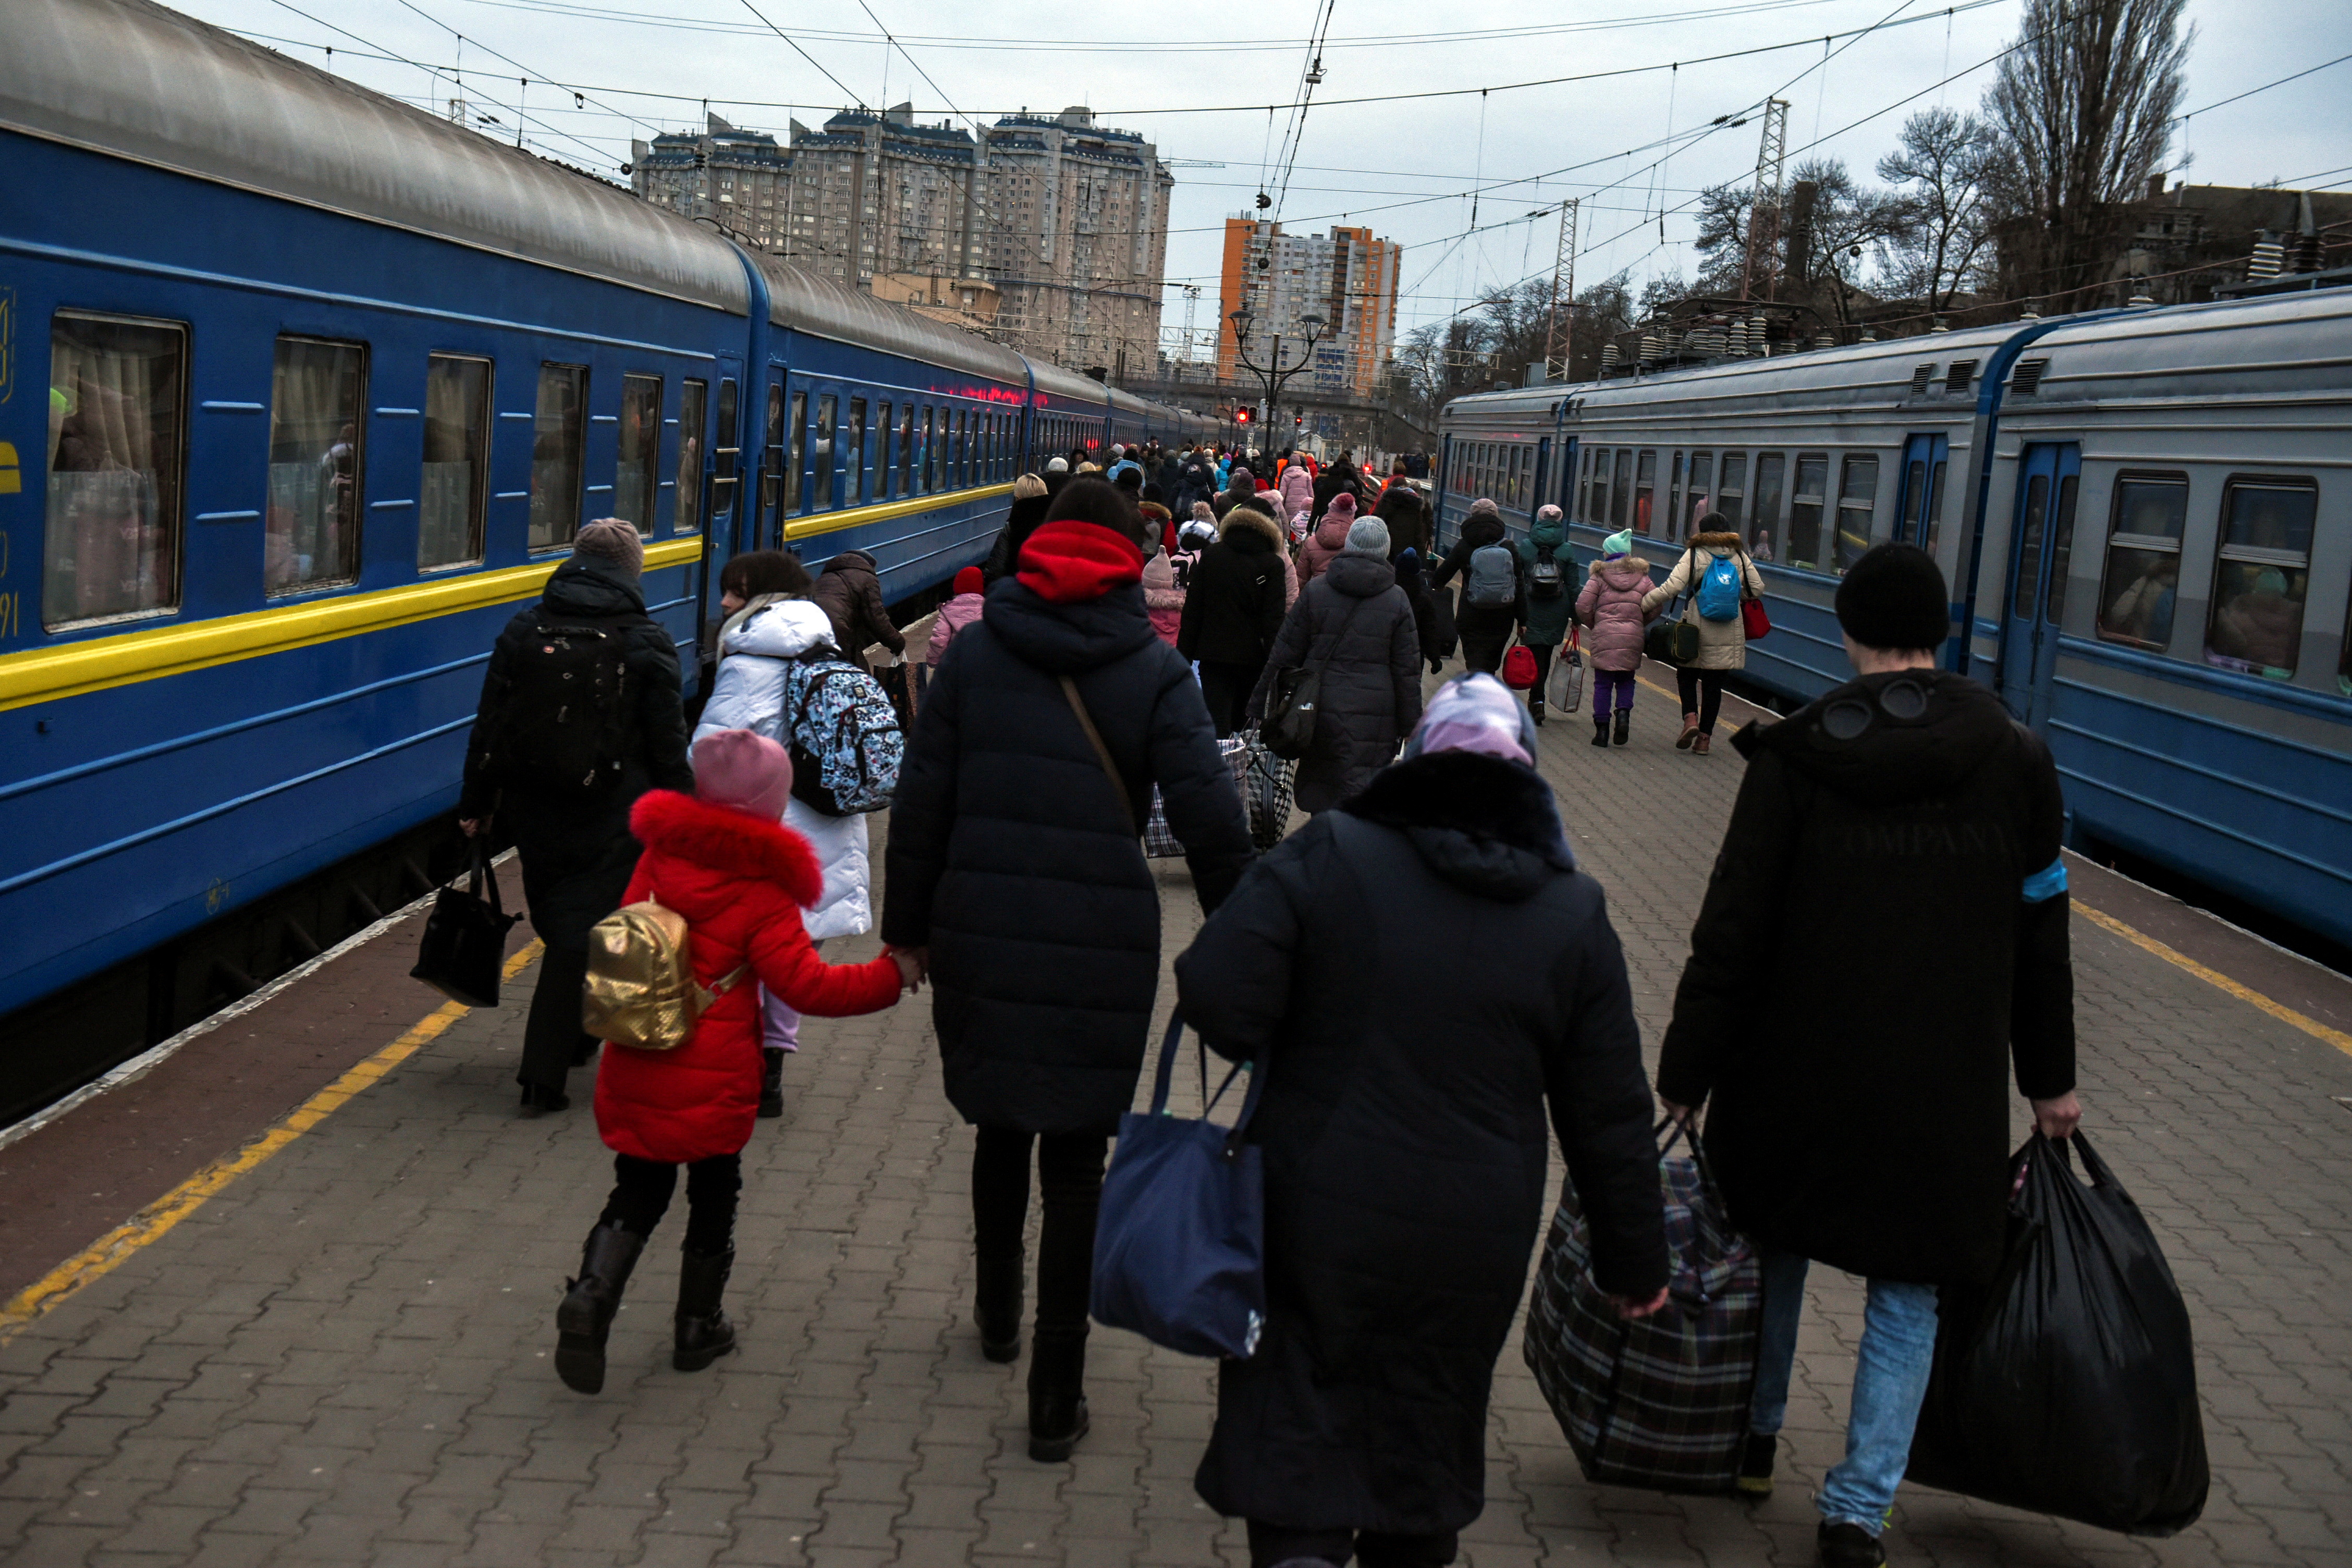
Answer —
1234 602
1357 623
1011 859
1405 1134
577 851
1865 967
1021 520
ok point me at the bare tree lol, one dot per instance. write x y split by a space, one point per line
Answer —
2083 107
1722 240
1848 221
1941 170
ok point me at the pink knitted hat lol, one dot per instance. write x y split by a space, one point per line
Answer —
743 772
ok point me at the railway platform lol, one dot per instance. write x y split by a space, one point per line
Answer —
287 1295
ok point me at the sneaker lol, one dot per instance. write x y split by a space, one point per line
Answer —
1755 1482
1846 1545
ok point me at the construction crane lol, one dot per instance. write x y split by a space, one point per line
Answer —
1763 264
1188 164
1563 296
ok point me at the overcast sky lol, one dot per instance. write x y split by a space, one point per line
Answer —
1629 143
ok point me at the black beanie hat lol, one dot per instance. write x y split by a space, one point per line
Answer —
1893 598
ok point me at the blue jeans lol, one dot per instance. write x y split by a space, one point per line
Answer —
1890 1381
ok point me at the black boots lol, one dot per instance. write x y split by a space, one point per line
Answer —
997 1309
771 1082
704 1334
538 1097
1755 1480
1536 708
1844 1544
1058 1400
1625 725
1601 731
585 1318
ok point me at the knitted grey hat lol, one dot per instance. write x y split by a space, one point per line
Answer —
1369 536
610 538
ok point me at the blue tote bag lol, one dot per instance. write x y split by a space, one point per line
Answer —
1180 1248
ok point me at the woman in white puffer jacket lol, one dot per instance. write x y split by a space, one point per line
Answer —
756 655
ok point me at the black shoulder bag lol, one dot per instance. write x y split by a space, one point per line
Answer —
1288 728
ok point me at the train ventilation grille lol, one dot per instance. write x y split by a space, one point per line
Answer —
1956 382
1921 377
2026 379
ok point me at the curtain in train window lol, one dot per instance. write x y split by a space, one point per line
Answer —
1771 472
317 415
1805 509
557 446
2262 578
1621 492
453 493
117 411
1730 495
1857 499
821 452
883 472
856 452
636 478
1701 513
2141 582
906 451
1645 480
685 514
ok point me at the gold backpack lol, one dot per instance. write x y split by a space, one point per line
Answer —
641 991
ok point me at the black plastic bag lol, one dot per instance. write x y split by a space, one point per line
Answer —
465 944
2069 1386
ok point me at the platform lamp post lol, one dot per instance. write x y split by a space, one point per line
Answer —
1273 371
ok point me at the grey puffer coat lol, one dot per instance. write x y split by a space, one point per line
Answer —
1722 644
1611 610
1357 623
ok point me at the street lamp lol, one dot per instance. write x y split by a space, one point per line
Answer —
1273 372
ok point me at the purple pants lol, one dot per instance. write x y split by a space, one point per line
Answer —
1607 680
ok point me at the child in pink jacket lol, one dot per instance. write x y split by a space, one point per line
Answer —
958 612
1609 609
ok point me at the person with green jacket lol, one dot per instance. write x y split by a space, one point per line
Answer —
1549 581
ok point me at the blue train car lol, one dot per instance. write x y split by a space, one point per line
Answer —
303 391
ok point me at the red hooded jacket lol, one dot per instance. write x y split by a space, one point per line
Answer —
741 883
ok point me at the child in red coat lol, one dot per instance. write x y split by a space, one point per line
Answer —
720 857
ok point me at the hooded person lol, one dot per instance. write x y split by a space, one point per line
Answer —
1020 519
1298 487
1163 585
1057 474
1329 538
1356 625
1241 490
577 851
1408 520
1405 1137
850 592
1903 791
1489 608
961 608
1549 581
1722 644
1015 867
1233 605
1611 609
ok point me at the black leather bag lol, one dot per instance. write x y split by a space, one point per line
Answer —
465 944
1676 641
1289 729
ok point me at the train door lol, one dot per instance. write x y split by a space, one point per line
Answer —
726 460
1565 488
2049 474
1925 459
1438 490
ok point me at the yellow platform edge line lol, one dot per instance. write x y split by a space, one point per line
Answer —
155 1221
2252 998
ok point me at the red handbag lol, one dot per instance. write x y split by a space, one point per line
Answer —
1519 667
1753 620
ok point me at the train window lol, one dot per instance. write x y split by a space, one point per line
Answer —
2029 521
1674 489
959 449
1645 480
883 473
856 479
2062 550
2263 576
1805 511
821 452
1701 514
1621 490
780 481
1915 496
1771 473
317 397
455 489
117 414
2344 657
1857 501
558 448
1580 510
685 515
1730 493
636 479
725 453
1936 508
2142 576
906 451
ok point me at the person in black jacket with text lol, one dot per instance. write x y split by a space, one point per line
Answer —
1484 629
1015 870
1859 1114
1233 605
573 835
1405 1133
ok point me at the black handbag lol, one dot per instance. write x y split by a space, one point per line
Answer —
465 945
1676 641
1288 728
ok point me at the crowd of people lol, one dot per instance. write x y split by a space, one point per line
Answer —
1428 982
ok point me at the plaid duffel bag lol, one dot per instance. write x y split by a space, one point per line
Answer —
1660 1402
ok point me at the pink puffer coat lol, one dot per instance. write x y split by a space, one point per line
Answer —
1163 601
1610 608
1298 488
1323 546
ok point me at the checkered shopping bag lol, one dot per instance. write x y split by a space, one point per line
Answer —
1264 781
1158 842
1660 1402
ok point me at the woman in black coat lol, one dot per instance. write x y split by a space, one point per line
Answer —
576 847
1405 1135
1014 861
1484 629
1021 520
1356 625
1234 605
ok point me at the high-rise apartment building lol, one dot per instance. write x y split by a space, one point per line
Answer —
1348 278
1065 222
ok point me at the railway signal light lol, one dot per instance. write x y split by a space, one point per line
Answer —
1241 416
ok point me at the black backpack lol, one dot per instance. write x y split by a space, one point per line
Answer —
1546 579
563 717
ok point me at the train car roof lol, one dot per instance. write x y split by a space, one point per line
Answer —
2285 343
1060 382
136 81
828 307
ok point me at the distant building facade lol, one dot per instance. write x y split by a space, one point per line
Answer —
1348 277
1048 233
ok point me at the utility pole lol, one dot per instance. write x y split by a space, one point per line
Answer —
1763 264
1562 326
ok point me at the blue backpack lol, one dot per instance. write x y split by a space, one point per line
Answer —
844 738
1719 591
